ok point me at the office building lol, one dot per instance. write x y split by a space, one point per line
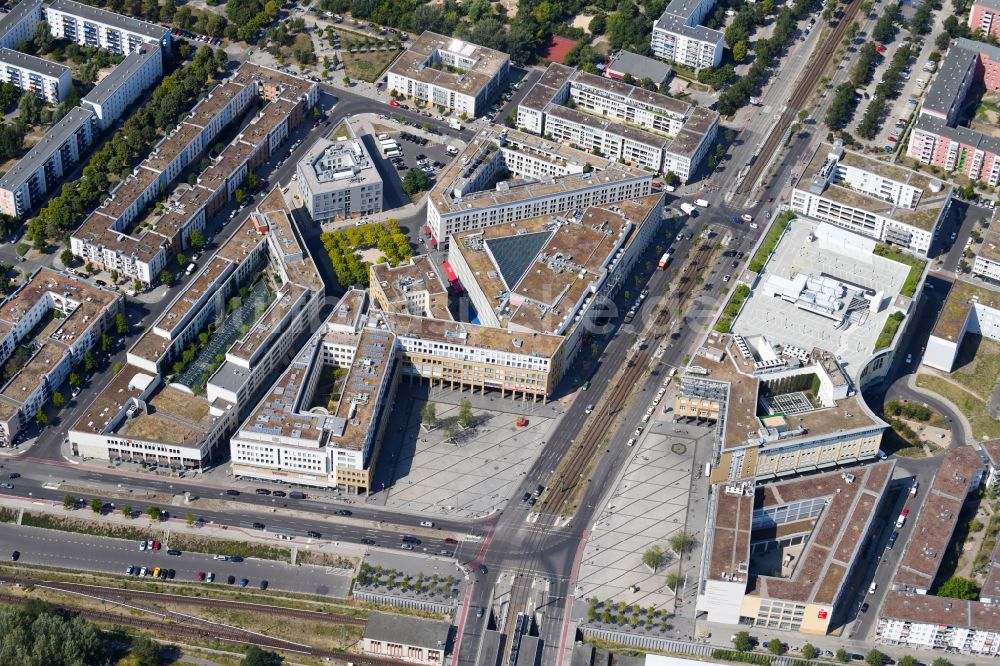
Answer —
41 170
679 37
50 82
506 175
968 308
102 29
18 24
118 90
872 198
47 326
450 73
251 303
937 138
912 617
337 180
617 120
414 288
778 556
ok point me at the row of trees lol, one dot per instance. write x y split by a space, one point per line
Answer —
891 80
342 245
174 96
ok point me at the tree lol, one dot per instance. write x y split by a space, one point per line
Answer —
40 417
121 324
654 557
74 379
154 512
127 511
681 542
809 651
106 343
957 587
598 24
428 415
196 240
165 276
96 505
874 658
465 415
190 519
66 257
907 660
58 400
257 657
940 661
89 362
116 368
740 51
673 581
842 656
146 651
450 430
415 181
742 641
775 646
68 501
239 195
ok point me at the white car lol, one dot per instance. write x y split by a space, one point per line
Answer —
754 225
631 442
909 358
221 558
589 409
872 587
426 523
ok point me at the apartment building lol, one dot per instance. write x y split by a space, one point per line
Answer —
41 170
541 177
450 73
118 90
337 180
882 201
910 616
252 302
777 556
617 120
102 29
18 25
52 320
112 236
968 308
679 37
414 288
298 433
987 261
49 81
937 138
982 17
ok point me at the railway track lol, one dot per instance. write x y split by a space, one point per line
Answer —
120 593
799 97
590 442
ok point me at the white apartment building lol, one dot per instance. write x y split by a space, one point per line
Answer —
548 178
450 73
18 25
99 28
969 309
678 37
618 120
141 68
49 81
871 198
987 262
336 180
42 169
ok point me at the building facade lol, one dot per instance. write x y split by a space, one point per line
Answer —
18 25
49 81
983 17
336 180
679 37
118 90
102 29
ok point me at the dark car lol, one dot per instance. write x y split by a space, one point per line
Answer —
232 493
532 500
864 607
201 575
171 573
538 490
235 558
231 580
173 552
263 584
278 493
312 534
368 542
525 497
15 556
262 491
343 512
892 540
14 475
483 569
451 541
244 582
258 526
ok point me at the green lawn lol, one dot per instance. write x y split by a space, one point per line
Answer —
983 425
977 365
888 333
916 265
366 66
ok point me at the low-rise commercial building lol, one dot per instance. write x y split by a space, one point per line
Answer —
679 37
778 556
49 81
47 326
118 90
450 73
337 180
882 201
411 639
42 169
506 175
968 308
102 29
618 120
637 66
910 616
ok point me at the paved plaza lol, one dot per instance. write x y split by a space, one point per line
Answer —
650 503
420 471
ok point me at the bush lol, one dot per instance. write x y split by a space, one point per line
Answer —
888 333
770 241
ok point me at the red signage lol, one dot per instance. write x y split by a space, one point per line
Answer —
821 614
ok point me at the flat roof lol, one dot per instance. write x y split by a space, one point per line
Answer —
934 526
127 23
414 63
335 165
121 74
540 269
276 84
33 64
241 243
408 630
299 265
957 306
472 335
33 374
941 611
232 156
18 13
678 16
173 416
48 145
207 280
418 274
127 192
171 146
261 125
990 248
487 142
639 66
270 323
218 98
108 403
359 398
730 554
958 63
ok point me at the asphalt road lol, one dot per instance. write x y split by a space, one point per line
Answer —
114 556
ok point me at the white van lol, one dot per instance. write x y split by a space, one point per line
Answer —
452 150
189 269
